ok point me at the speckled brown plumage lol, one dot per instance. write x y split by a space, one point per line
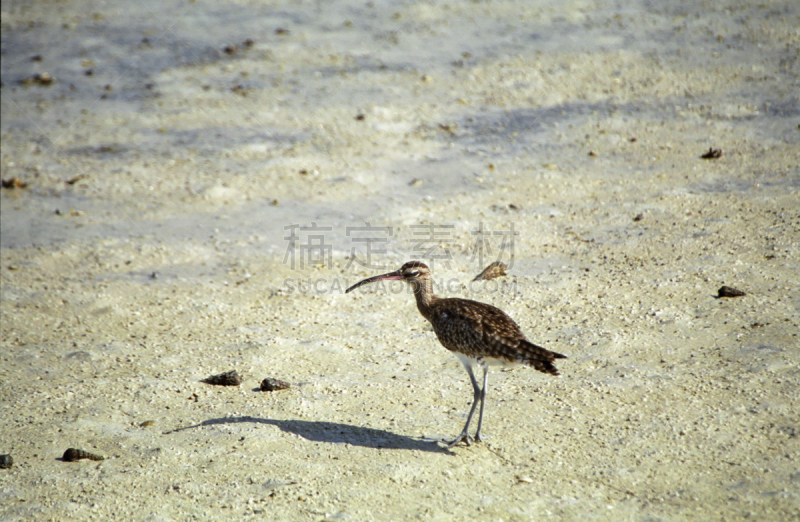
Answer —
477 333
482 331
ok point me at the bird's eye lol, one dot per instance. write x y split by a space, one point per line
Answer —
414 273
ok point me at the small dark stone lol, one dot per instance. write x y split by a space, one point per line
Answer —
712 154
729 291
638 217
231 378
73 454
14 183
6 461
38 79
231 49
270 384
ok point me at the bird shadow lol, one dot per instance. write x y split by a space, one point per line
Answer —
334 432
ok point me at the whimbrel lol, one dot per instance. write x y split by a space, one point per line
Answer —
477 333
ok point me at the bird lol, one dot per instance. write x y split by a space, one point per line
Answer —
478 334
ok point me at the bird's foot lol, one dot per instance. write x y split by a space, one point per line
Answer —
466 438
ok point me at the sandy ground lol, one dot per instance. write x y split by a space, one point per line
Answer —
165 170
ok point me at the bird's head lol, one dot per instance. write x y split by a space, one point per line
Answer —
412 272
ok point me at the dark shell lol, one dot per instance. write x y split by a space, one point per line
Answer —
73 454
729 291
6 461
270 384
231 378
496 269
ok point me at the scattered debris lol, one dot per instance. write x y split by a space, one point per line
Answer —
503 208
270 384
281 31
360 117
231 49
592 154
638 217
729 291
76 179
249 43
416 182
14 183
6 461
712 153
496 269
231 378
38 79
239 89
73 454
147 423
524 479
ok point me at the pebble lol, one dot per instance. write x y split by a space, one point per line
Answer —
270 384
231 378
6 461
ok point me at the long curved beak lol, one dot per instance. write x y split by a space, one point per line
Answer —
391 276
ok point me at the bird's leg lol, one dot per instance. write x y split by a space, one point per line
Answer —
476 396
478 437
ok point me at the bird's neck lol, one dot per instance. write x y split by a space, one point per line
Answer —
423 292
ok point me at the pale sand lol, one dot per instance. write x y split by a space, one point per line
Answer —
673 404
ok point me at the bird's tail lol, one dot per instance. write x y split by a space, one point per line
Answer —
540 358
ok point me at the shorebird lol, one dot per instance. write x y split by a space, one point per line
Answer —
477 333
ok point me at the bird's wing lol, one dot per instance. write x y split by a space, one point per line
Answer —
480 330
476 329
